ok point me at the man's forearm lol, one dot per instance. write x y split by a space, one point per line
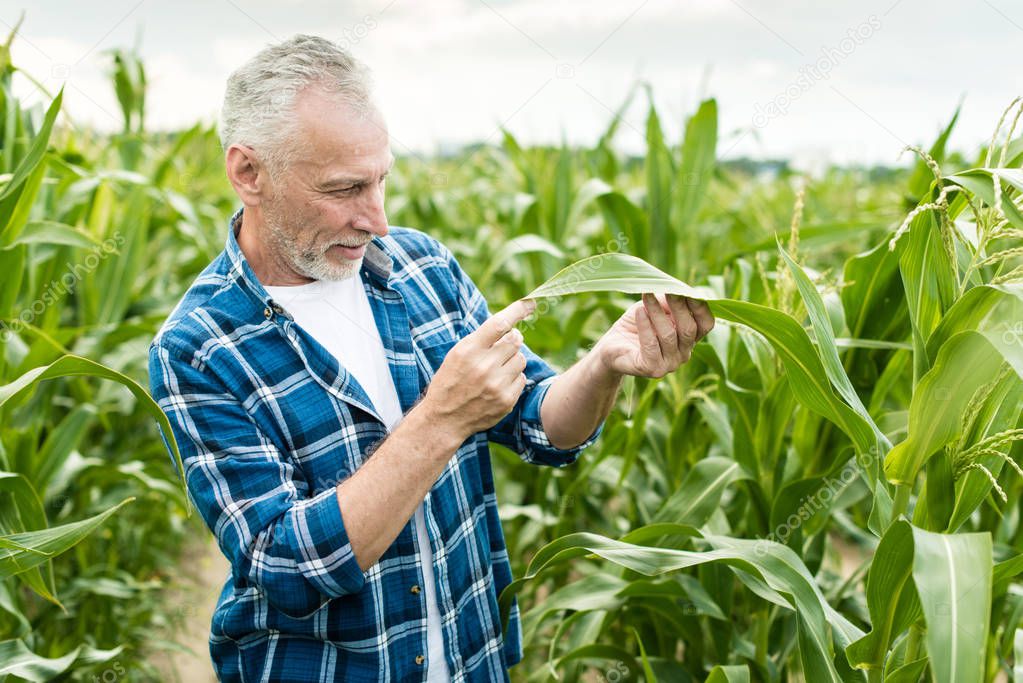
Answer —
579 399
479 381
382 495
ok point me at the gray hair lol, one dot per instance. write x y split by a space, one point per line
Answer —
259 100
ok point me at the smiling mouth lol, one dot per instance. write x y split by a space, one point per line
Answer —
349 252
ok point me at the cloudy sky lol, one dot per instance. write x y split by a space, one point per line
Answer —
843 80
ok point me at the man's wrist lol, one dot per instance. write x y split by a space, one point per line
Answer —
425 418
599 370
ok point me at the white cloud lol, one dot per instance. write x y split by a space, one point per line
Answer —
57 62
450 71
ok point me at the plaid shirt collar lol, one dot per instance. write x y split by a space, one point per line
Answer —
377 267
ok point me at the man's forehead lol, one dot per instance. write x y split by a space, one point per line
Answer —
321 113
338 137
363 168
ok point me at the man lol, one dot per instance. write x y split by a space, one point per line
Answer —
333 381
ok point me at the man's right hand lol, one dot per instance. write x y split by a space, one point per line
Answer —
481 378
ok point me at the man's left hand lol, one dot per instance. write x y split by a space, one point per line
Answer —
655 335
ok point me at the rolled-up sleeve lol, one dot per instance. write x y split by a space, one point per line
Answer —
537 446
275 534
521 430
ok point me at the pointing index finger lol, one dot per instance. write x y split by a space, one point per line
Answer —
500 323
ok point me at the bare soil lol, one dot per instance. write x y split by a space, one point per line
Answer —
192 596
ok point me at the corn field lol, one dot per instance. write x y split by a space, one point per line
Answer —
830 489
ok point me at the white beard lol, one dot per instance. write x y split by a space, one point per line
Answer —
317 266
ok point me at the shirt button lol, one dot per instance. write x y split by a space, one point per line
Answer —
267 313
420 659
414 590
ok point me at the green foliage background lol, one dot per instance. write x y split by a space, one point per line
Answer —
828 491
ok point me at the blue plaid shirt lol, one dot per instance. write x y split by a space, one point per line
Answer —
268 423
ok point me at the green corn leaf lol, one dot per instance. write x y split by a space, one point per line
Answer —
17 660
922 176
585 197
624 218
952 573
980 182
12 264
528 243
907 673
624 273
26 513
778 571
892 608
682 586
594 592
804 506
814 235
660 175
693 180
46 543
833 367
729 674
648 673
929 279
61 440
700 492
1001 411
615 657
964 363
36 152
826 338
849 343
53 232
76 366
558 195
19 194
1017 648
1003 573
951 586
114 276
615 272
996 312
937 498
16 209
873 296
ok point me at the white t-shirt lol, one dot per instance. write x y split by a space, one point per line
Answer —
337 314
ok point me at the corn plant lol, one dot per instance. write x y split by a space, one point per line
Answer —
76 443
829 490
931 316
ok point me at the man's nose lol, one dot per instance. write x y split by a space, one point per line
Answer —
372 217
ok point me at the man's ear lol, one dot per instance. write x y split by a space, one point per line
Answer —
247 174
